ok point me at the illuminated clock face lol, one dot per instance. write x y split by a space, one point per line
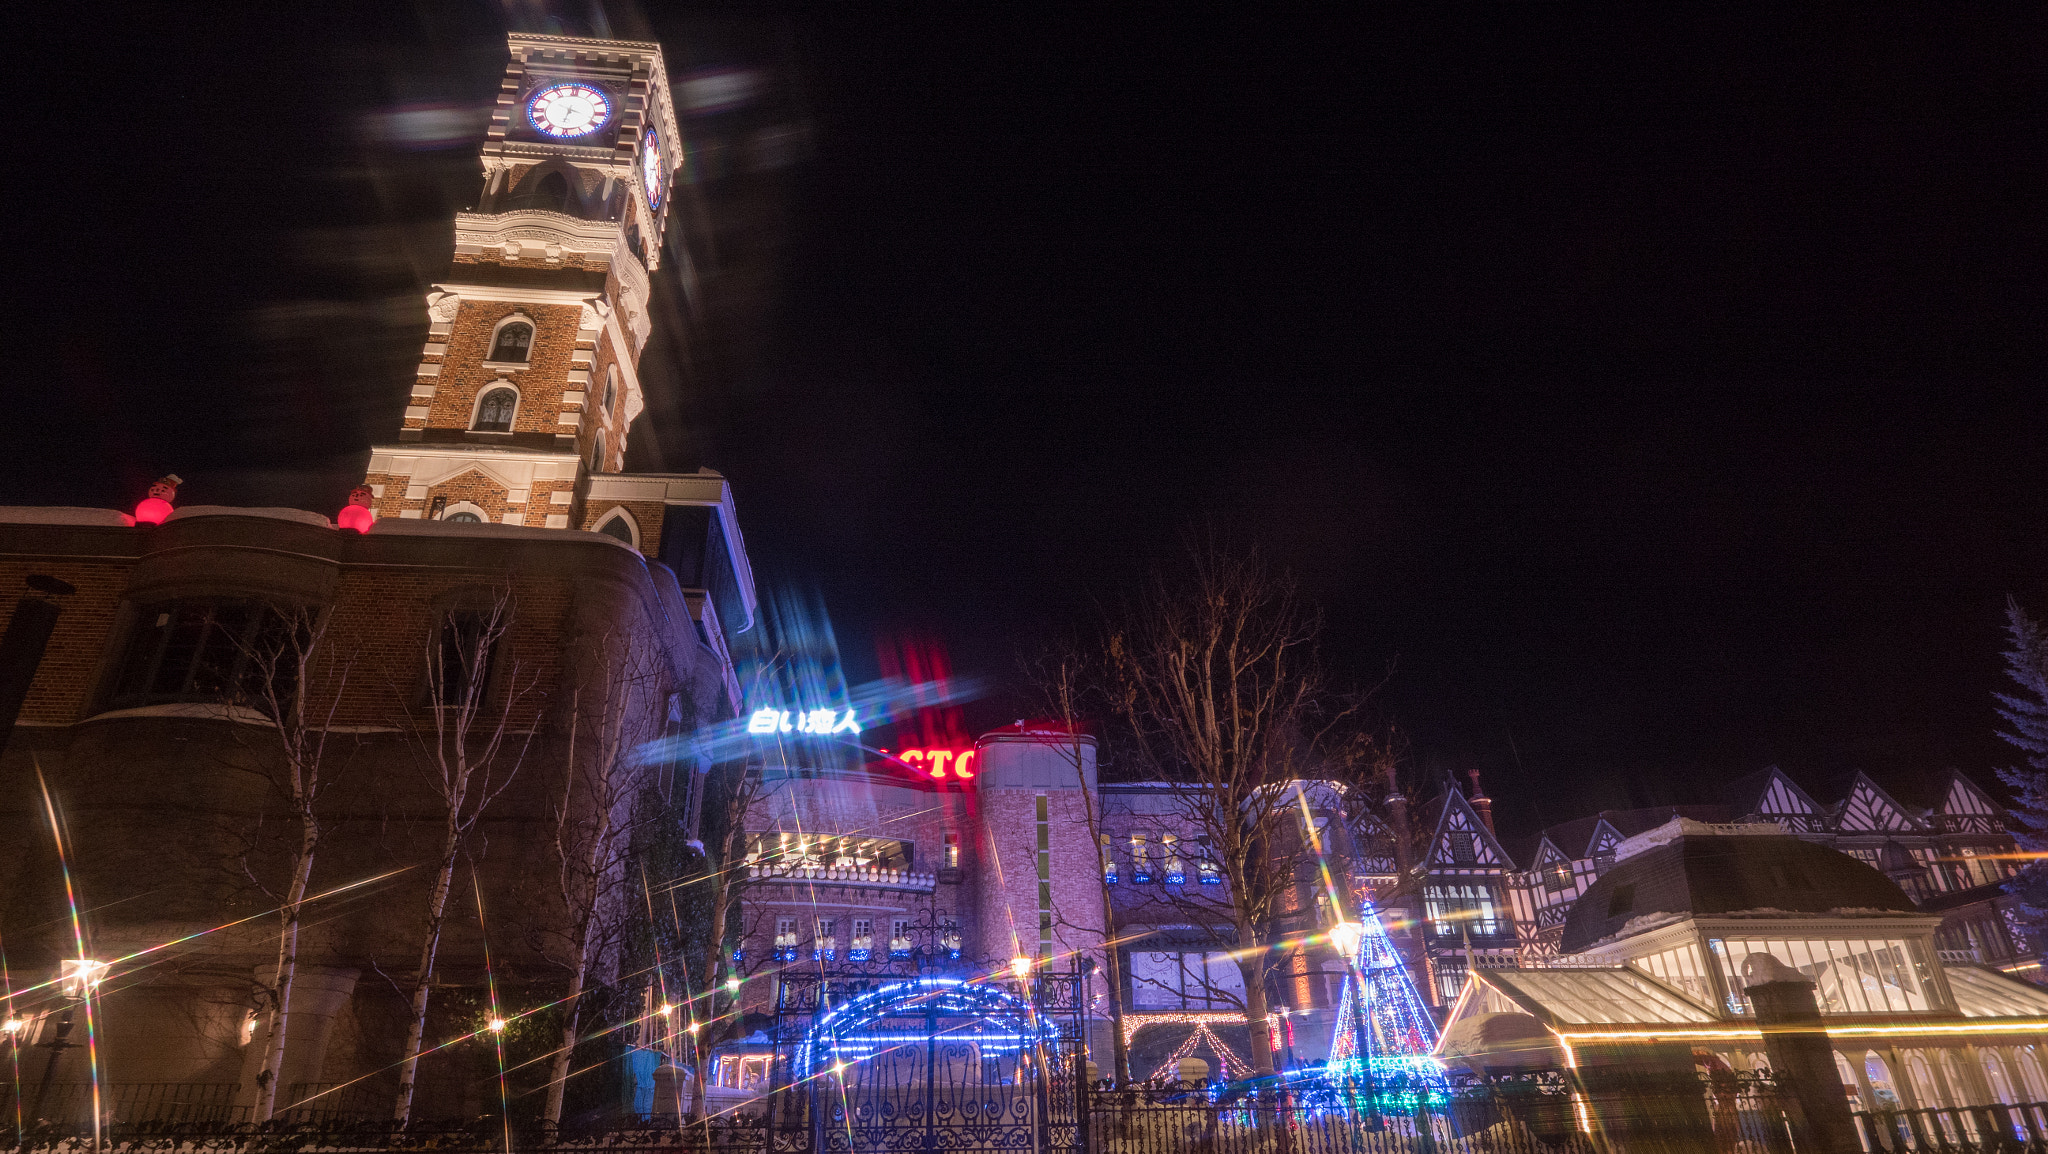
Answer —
569 109
651 171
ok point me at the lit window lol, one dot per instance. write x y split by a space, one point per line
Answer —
513 343
1109 875
1454 910
494 413
952 858
827 943
1141 861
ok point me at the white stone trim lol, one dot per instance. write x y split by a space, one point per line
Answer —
634 402
558 521
511 295
704 487
419 411
426 370
424 392
426 465
454 507
435 349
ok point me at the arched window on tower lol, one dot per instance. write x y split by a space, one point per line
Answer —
513 343
494 412
611 388
597 452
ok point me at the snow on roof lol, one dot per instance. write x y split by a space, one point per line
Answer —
61 515
1679 827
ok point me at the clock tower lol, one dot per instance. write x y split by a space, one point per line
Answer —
529 379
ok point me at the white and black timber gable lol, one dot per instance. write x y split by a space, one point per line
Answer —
1600 846
1870 810
1965 808
1462 842
1774 796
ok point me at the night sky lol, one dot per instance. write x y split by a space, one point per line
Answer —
1657 400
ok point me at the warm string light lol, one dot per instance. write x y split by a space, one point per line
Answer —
1138 1021
1233 1066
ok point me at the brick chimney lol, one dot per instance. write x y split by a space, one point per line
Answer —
1481 804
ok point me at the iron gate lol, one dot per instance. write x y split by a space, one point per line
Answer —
925 1061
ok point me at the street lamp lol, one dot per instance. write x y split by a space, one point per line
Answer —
1020 967
80 977
1347 938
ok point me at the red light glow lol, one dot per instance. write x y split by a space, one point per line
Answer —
355 517
152 511
938 761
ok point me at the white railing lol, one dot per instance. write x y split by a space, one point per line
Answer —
844 876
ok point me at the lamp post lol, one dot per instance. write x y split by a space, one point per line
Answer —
1347 938
77 978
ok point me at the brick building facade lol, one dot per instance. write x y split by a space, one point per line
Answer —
616 599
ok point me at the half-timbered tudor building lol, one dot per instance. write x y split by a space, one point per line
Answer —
1951 858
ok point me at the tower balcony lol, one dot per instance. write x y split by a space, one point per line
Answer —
867 877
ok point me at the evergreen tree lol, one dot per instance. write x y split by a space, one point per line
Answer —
2026 717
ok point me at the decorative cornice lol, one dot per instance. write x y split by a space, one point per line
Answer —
478 232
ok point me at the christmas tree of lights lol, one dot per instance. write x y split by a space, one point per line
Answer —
1382 1013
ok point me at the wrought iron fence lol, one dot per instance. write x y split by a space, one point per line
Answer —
70 1104
1967 1129
717 1136
1508 1116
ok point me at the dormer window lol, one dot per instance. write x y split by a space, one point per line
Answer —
512 343
494 411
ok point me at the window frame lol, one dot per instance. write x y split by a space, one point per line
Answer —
476 410
532 338
445 609
236 677
618 512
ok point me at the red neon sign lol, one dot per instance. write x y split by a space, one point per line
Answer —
938 762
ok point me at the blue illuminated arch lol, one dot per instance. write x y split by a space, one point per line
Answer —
1001 1022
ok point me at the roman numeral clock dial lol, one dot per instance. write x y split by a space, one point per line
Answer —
569 109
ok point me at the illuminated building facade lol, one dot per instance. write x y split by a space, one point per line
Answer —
1950 858
1659 951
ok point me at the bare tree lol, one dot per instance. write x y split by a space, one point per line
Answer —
469 752
731 797
612 717
295 678
1060 677
1216 680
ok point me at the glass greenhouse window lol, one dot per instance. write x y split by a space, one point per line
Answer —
1884 976
1679 967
